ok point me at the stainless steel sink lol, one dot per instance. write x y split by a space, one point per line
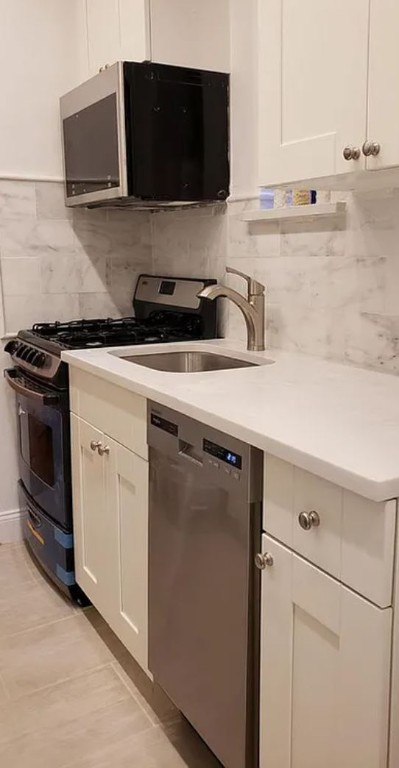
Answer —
190 362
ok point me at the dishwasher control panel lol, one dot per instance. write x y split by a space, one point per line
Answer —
167 426
223 454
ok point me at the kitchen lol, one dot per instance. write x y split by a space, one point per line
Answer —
306 429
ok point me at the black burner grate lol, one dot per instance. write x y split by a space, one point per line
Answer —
159 327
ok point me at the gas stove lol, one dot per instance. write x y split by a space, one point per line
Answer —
166 310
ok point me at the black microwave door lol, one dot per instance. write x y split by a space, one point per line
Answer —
179 134
91 148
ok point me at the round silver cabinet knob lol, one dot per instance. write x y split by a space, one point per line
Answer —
261 561
94 445
351 153
371 148
103 450
308 520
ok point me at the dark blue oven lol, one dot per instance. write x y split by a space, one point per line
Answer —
44 445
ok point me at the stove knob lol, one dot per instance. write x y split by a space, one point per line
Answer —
23 352
12 346
30 356
40 360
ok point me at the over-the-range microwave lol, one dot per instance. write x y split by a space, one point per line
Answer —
147 134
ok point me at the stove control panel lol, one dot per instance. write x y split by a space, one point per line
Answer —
32 359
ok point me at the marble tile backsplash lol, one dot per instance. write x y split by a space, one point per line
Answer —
332 284
57 263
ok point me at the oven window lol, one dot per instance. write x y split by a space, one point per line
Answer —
91 148
37 449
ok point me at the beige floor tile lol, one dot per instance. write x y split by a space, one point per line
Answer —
32 604
77 739
153 700
3 693
170 746
16 567
49 654
57 705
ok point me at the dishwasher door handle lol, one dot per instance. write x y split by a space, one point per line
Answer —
188 451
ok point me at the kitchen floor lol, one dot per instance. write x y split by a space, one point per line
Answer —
70 694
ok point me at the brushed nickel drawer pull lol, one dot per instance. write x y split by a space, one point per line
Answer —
309 520
261 561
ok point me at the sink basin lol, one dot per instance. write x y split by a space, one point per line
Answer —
190 362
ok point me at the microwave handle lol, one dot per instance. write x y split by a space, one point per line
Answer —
16 383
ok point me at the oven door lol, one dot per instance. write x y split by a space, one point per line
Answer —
44 445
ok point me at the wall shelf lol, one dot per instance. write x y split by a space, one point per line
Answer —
295 212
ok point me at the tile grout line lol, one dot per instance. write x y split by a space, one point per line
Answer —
114 665
38 626
173 717
61 681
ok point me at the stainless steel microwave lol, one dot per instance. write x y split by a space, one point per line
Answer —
147 135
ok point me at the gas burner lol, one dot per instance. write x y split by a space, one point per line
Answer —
160 326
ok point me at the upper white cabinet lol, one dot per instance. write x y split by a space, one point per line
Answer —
192 33
383 112
327 72
117 30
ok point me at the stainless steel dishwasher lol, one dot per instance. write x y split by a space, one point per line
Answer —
205 527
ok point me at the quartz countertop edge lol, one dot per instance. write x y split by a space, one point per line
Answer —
335 420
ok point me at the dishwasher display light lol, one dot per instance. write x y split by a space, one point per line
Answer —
234 459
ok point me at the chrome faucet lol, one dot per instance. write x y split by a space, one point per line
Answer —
252 307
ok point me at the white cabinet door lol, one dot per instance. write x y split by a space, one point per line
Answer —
191 33
325 670
313 68
134 20
103 33
117 30
383 113
89 512
127 502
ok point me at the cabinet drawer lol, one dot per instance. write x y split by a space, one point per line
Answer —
119 413
354 541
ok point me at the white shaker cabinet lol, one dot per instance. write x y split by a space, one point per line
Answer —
383 107
93 555
117 30
325 669
127 500
110 507
313 68
189 33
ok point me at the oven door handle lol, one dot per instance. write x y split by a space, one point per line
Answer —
18 385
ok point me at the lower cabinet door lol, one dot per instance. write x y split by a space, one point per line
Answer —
127 502
325 670
89 512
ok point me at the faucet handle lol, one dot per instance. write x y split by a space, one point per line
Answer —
254 288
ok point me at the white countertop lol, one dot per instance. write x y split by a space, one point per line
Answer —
337 421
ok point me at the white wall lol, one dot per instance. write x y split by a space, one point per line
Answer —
41 57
